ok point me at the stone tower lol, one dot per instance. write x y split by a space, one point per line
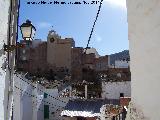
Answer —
59 50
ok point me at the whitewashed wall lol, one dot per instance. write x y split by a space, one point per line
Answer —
32 108
144 42
121 64
22 102
38 103
55 104
4 12
25 106
112 90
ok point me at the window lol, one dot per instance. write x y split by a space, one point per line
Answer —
46 111
45 95
52 40
121 94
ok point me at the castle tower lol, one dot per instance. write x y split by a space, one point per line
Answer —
59 50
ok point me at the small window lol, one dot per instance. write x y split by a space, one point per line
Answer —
46 111
52 40
45 95
121 94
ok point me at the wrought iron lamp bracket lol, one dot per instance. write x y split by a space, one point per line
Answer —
10 48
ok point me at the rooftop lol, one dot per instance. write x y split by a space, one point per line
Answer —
86 108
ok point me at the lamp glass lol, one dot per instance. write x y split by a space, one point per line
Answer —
26 32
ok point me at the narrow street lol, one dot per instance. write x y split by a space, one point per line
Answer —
79 60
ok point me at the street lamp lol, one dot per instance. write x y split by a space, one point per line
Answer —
28 32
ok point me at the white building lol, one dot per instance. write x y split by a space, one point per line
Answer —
56 105
28 104
122 64
92 50
144 40
143 22
38 102
113 90
8 29
34 102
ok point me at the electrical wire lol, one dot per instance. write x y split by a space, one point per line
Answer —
92 30
33 96
59 107
85 51
39 89
89 39
29 95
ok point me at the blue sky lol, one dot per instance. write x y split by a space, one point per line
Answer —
111 30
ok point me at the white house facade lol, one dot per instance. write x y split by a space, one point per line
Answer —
28 100
53 105
144 45
122 64
8 30
113 90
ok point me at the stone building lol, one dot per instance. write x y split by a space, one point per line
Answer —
83 64
38 57
89 61
59 51
115 74
76 64
92 50
33 57
88 67
101 63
